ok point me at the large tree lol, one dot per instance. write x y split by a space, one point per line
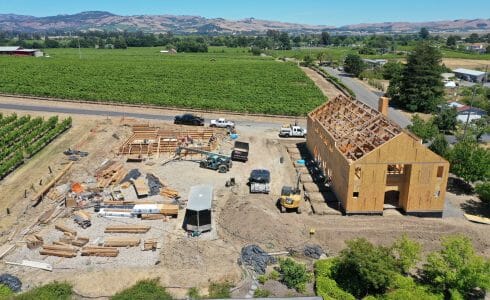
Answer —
325 38
457 267
420 87
354 65
470 161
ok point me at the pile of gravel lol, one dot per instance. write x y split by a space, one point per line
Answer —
11 281
313 251
255 257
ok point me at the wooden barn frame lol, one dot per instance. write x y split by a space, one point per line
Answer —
372 163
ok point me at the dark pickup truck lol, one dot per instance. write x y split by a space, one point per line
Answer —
240 151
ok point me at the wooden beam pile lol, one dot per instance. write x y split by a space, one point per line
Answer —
168 192
150 245
111 173
34 241
59 250
80 241
127 229
100 251
121 242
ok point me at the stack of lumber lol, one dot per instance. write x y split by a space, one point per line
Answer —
100 251
121 242
168 192
150 244
80 241
141 187
127 229
34 241
152 217
111 173
169 209
65 230
59 250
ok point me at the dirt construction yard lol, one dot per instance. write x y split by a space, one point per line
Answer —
239 218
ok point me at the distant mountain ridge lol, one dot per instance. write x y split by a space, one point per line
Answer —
101 20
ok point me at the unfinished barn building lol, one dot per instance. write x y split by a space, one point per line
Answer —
372 163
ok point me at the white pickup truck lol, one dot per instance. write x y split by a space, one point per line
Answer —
292 131
222 123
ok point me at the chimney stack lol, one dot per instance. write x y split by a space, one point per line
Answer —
383 105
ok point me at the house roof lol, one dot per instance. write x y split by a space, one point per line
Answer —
200 197
356 128
9 48
469 72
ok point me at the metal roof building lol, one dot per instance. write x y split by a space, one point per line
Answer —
470 75
16 50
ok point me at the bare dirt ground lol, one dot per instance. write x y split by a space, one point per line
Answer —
240 218
326 87
454 63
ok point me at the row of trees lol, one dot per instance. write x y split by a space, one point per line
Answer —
272 39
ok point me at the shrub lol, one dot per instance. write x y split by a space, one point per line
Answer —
193 293
274 275
363 268
261 293
55 290
143 290
219 290
5 292
294 275
262 279
406 253
457 268
483 191
329 290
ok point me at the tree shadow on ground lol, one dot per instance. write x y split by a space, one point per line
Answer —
459 187
476 207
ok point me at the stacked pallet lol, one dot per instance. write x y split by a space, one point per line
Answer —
111 173
121 242
151 244
59 250
127 229
100 251
168 192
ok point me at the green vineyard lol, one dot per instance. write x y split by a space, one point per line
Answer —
223 79
22 137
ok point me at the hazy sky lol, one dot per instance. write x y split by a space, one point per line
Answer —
320 12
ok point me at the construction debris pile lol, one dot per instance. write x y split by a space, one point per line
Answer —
313 251
147 141
256 258
11 281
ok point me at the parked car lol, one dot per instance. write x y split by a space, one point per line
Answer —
189 119
222 123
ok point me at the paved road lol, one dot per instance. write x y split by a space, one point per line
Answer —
365 95
100 112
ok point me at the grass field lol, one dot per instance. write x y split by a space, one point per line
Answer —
223 79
